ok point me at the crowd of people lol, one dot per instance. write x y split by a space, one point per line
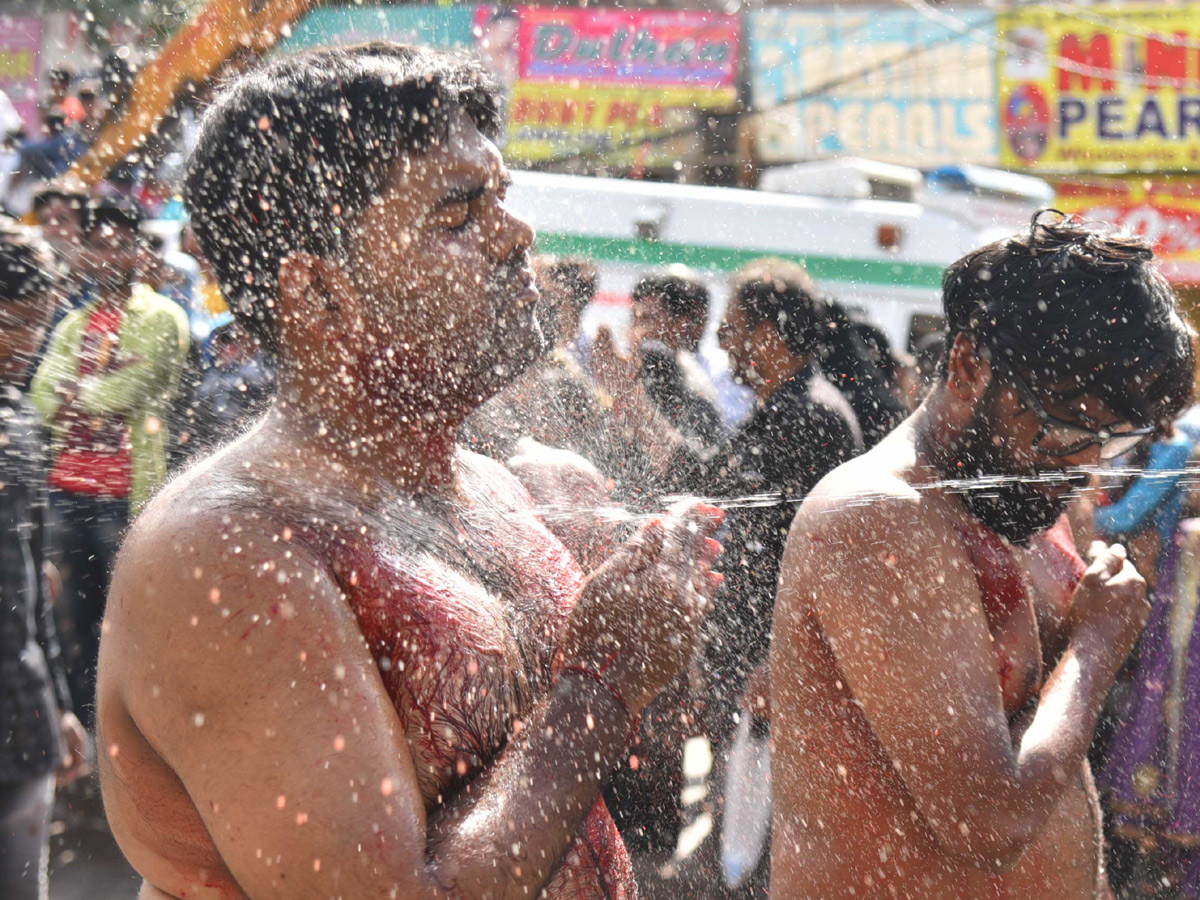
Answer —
69 119
386 588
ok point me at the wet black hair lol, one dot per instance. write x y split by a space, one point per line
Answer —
784 294
115 212
683 292
27 264
1072 303
576 275
289 154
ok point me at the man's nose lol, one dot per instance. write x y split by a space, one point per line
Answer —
512 234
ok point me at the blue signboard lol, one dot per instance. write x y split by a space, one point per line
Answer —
880 83
438 26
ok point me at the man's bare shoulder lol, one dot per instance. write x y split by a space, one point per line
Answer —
206 551
203 504
874 523
866 493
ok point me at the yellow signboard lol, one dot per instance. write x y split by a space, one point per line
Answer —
547 120
1101 89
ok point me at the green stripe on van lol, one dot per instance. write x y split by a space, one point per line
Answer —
726 259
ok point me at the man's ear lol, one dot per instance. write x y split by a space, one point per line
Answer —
969 372
317 292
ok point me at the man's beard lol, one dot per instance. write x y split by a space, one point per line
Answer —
1012 506
519 339
520 342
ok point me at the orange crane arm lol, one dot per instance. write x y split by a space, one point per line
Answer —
196 51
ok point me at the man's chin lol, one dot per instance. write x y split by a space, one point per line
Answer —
516 352
1016 518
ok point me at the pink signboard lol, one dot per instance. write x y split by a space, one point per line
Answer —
613 46
20 45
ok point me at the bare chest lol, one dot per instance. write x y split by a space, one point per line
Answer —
465 639
1026 597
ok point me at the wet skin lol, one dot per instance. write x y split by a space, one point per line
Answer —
342 658
929 727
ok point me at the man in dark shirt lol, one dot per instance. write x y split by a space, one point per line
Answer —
39 735
801 429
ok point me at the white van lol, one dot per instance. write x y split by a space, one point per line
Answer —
882 257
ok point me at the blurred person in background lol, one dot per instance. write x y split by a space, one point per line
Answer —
236 386
159 275
103 389
12 129
41 740
802 428
93 115
929 351
888 369
116 82
50 156
855 357
568 284
670 309
1152 748
58 210
59 99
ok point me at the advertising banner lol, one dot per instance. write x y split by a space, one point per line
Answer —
880 83
588 80
20 45
1113 90
1165 211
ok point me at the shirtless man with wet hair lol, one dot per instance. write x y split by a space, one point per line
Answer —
940 652
341 657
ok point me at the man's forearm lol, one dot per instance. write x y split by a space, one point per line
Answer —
509 830
1052 749
1068 709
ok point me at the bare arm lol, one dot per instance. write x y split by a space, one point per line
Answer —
898 603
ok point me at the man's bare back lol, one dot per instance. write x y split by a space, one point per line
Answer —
460 615
901 574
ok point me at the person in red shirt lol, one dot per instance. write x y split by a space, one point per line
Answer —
109 371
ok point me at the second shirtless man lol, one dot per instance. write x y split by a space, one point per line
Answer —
940 657
341 657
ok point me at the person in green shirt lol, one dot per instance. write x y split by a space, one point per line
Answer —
103 389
